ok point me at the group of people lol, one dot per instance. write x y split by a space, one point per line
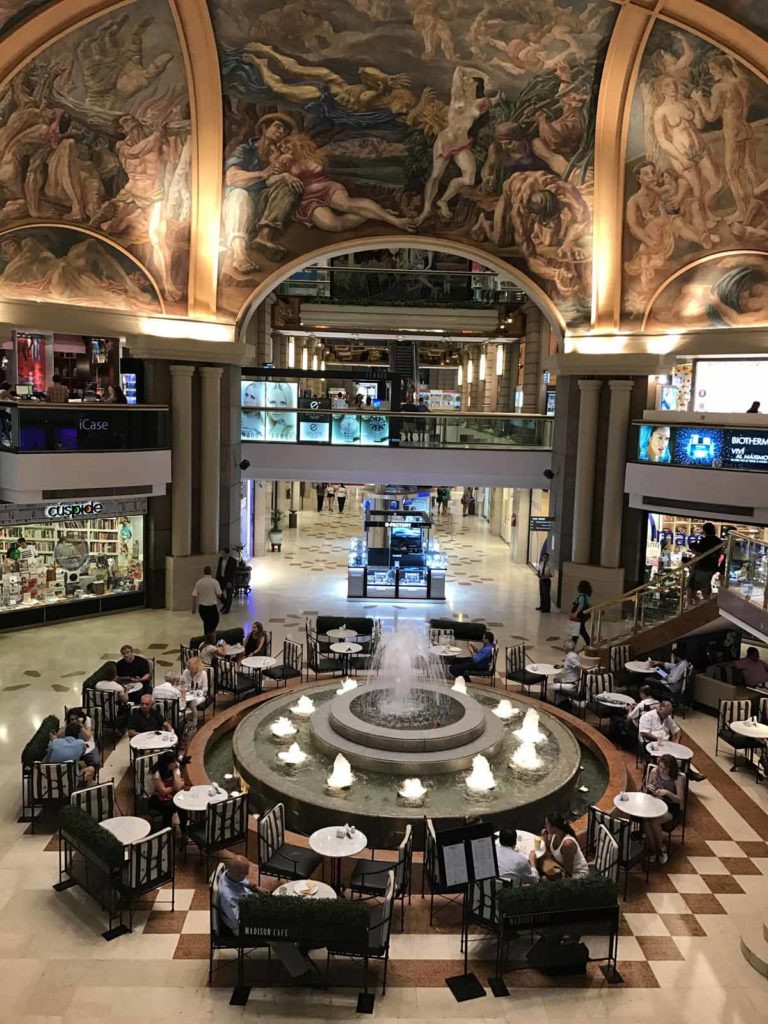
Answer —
330 495
560 855
213 594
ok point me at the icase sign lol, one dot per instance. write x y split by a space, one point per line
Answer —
88 508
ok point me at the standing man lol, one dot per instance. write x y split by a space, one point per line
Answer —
545 583
341 497
320 488
226 571
206 598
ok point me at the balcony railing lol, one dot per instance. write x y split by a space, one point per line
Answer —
377 429
82 427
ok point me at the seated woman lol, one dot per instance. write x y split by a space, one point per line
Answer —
566 683
164 783
209 650
666 781
194 687
560 846
83 719
255 642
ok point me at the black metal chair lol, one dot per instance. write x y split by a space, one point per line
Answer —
226 824
379 930
293 657
97 801
316 662
369 877
669 827
432 876
170 710
631 843
735 711
278 858
221 936
51 785
237 682
597 683
150 866
185 653
516 671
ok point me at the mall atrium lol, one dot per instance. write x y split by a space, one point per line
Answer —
400 641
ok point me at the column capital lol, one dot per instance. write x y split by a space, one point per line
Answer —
621 385
210 371
182 370
590 385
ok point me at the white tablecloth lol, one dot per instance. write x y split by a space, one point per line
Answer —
197 798
325 841
145 741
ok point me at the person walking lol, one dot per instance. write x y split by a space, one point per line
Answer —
341 497
226 570
320 488
330 495
580 613
206 597
544 571
466 500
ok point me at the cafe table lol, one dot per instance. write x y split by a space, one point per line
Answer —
344 650
197 798
328 843
126 828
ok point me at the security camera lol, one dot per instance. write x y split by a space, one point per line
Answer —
549 474
245 464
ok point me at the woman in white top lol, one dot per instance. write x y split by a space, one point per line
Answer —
194 684
560 843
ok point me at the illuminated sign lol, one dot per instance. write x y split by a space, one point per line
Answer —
89 508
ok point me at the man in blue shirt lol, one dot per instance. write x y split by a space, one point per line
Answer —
258 197
68 746
480 660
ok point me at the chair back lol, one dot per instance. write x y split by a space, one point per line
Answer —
53 781
599 682
687 686
271 832
151 861
169 706
762 710
97 801
431 859
227 821
732 711
440 636
267 643
515 659
223 675
606 854
618 828
215 913
104 700
491 670
293 655
378 937
618 656
313 659
185 653
404 861
143 767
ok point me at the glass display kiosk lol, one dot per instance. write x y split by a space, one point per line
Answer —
396 558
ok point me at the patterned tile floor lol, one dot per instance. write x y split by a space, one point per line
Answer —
679 936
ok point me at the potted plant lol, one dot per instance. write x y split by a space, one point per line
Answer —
276 529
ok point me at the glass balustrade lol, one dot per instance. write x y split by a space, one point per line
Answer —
81 427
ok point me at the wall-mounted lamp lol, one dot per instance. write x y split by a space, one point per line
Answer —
314 362
470 371
499 360
460 377
304 358
481 367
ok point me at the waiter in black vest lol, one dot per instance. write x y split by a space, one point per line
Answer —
226 568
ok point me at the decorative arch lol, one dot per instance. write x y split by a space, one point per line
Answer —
532 289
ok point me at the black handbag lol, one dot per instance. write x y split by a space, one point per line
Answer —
559 954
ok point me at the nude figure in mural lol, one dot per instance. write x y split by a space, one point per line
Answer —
62 171
325 203
729 103
453 143
687 218
136 215
114 71
651 225
433 28
375 91
548 218
676 130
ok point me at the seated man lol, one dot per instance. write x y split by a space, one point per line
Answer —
480 660
511 863
674 671
658 723
233 886
147 718
110 683
91 755
755 671
133 666
67 745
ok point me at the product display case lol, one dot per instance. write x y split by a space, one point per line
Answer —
396 559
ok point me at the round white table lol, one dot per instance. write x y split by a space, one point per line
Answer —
134 687
232 650
640 805
643 667
444 650
325 842
259 661
678 750
619 699
127 828
526 842
144 742
197 798
541 668
322 892
345 649
342 634
752 732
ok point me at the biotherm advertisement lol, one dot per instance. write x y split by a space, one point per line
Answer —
698 446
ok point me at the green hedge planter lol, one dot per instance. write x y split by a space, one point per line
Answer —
91 837
569 894
298 919
37 747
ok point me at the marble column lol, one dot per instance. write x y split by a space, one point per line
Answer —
532 367
181 460
615 460
585 470
210 457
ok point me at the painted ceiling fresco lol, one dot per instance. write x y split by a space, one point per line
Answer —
727 291
14 12
95 131
471 121
697 162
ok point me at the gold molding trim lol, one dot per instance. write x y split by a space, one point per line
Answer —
453 246
198 45
614 106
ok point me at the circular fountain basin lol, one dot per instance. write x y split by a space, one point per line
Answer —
521 797
436 730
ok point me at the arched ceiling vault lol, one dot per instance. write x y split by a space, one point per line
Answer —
584 280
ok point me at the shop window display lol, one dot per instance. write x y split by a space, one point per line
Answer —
69 561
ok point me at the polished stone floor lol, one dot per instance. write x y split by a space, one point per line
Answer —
679 948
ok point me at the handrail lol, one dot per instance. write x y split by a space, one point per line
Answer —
402 413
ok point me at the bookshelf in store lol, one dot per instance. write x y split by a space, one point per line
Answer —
102 535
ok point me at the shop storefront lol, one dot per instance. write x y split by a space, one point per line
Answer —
670 535
66 559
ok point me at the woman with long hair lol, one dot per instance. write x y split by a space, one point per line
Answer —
665 781
580 612
256 641
166 782
561 846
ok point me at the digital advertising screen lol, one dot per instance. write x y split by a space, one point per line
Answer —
698 446
345 429
252 393
281 426
374 429
281 395
745 449
315 428
654 443
251 425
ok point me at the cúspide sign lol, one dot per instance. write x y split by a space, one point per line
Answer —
88 508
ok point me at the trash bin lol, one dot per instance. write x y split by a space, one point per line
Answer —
293 519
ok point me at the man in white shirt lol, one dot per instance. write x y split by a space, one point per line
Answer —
169 690
658 723
566 684
511 863
206 598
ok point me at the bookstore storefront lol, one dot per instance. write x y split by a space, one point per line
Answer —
66 559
